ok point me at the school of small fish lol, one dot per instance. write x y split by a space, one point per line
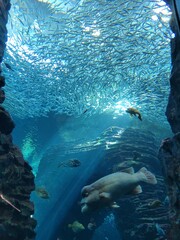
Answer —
76 55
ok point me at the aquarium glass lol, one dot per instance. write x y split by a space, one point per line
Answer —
72 70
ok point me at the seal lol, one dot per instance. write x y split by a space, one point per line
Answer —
134 111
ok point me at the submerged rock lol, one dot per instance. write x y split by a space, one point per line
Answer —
2 96
17 182
7 124
169 154
173 107
17 179
2 81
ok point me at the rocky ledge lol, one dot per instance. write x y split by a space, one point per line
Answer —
16 185
169 153
16 178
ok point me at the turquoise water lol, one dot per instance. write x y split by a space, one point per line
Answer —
99 144
76 67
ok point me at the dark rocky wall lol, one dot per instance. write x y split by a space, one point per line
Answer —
169 153
173 107
16 178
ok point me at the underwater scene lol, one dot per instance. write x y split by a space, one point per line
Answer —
87 85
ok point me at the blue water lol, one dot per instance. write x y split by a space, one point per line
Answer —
57 139
76 67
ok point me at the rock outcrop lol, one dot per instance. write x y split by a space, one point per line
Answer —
16 178
169 153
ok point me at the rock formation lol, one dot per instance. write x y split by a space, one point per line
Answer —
169 153
16 178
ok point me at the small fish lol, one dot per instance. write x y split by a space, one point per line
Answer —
92 224
154 204
42 192
136 155
126 164
8 66
134 112
70 163
76 227
159 230
85 111
166 201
